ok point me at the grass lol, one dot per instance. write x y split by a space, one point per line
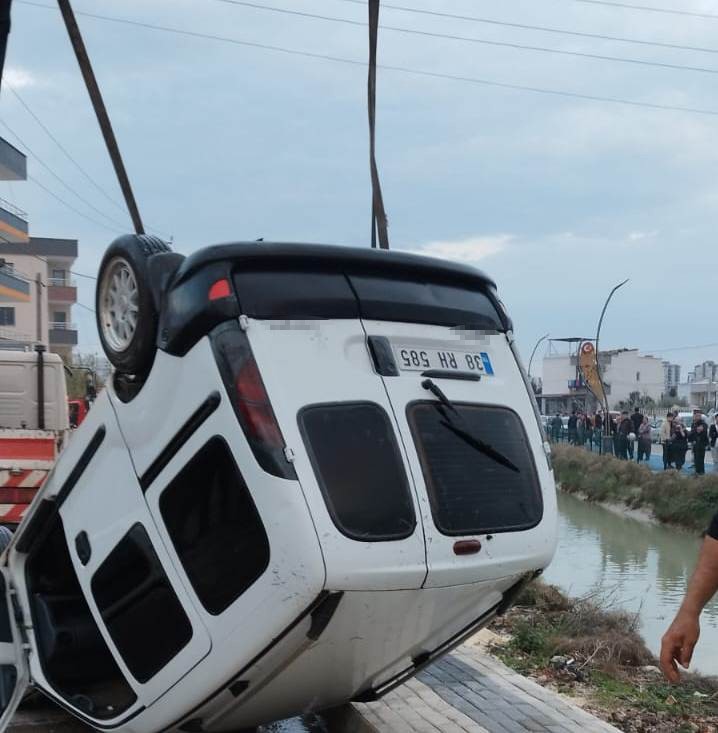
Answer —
687 501
610 664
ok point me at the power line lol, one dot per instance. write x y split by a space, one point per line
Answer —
71 207
56 176
64 150
400 69
684 348
72 272
469 39
529 27
650 9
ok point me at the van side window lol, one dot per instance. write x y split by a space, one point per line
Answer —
142 614
215 527
356 459
470 492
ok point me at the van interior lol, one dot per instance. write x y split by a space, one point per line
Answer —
74 657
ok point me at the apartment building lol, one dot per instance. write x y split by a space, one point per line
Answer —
36 290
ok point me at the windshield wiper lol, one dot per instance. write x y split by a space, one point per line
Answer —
455 422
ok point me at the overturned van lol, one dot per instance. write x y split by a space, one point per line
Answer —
317 470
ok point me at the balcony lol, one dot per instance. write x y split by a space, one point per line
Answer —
61 290
13 164
13 224
13 288
62 333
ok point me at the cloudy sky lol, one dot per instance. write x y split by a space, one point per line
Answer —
556 197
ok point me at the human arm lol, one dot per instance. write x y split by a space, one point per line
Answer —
682 635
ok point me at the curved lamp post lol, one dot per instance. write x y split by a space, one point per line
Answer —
606 420
533 353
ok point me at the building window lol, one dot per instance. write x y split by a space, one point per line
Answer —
7 316
7 266
59 319
58 277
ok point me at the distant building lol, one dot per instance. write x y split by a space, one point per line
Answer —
671 376
36 290
624 371
708 370
701 386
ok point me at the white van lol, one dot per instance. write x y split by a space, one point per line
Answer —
318 469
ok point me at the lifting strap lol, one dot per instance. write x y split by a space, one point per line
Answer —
379 223
98 105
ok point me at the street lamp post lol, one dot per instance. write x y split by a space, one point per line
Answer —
533 353
606 416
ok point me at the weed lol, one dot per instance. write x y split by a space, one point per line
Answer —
686 501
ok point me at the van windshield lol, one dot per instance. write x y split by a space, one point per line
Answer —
470 491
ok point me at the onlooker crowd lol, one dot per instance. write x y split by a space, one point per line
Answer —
631 436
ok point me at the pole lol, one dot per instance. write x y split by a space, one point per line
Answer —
4 30
379 222
533 353
606 420
40 349
103 118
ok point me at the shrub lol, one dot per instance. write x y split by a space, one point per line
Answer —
688 501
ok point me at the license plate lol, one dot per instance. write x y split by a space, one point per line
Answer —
413 359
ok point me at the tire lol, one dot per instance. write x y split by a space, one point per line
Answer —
124 305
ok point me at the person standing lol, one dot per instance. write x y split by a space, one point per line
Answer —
713 439
598 430
625 428
580 429
636 421
682 635
666 440
644 440
679 444
572 428
699 441
556 428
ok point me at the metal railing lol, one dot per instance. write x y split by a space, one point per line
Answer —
61 326
62 282
14 210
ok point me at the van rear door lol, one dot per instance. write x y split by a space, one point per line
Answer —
336 420
474 447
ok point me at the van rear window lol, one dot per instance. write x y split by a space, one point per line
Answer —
215 527
139 607
471 492
357 462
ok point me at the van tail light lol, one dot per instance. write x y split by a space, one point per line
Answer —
249 399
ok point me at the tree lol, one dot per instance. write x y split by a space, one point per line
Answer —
81 377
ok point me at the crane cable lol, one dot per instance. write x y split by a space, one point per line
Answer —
103 117
379 225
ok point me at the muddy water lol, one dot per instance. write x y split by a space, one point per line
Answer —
639 567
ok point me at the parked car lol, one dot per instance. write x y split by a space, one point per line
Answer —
316 470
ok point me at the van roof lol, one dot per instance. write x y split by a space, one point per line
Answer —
288 255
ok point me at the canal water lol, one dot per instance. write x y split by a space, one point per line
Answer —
635 566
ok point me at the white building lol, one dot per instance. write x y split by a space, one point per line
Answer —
624 371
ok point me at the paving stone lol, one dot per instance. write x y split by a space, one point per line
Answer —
471 692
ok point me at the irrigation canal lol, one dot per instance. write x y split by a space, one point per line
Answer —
635 566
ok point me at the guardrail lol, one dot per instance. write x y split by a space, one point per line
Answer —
62 282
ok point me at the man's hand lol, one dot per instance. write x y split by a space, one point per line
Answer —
678 643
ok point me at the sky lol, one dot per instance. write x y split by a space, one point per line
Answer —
557 198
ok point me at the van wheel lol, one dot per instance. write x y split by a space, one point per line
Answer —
125 310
